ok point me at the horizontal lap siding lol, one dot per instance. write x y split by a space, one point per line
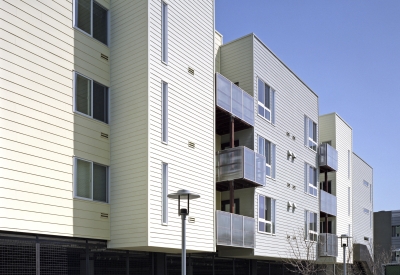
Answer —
39 133
361 199
191 119
293 100
129 123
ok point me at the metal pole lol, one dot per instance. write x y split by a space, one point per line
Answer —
183 261
344 260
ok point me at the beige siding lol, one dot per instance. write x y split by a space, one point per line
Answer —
129 124
190 119
39 133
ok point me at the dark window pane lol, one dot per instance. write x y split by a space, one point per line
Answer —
99 183
261 207
100 23
83 179
83 95
100 102
261 94
267 97
83 16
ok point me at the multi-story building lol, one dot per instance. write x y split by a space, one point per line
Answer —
387 233
109 106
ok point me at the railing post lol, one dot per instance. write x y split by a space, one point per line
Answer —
231 228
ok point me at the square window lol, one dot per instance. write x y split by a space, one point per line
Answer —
91 180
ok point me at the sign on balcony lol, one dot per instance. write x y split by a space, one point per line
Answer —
234 100
235 230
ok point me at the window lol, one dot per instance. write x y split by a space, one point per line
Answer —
310 133
226 206
266 101
164 177
268 150
91 18
91 98
348 200
311 180
311 228
164 108
164 32
90 180
365 183
322 186
322 227
348 164
396 231
266 214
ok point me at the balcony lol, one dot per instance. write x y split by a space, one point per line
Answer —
235 230
327 245
328 203
328 158
241 164
232 101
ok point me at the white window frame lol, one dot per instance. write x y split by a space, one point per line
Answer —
308 230
272 107
272 222
75 14
164 192
76 181
164 111
307 138
75 73
272 157
164 32
307 183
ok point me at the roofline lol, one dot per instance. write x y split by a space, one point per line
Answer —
336 114
262 43
363 160
220 34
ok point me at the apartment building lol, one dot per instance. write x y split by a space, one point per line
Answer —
109 106
387 234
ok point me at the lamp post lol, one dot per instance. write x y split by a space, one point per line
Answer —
344 242
183 212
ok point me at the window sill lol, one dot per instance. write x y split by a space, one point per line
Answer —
311 195
266 233
165 63
164 224
164 142
89 35
90 201
312 150
269 121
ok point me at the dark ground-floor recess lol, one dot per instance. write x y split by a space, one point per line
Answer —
27 254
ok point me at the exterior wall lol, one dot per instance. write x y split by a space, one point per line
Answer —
129 124
40 134
396 221
191 119
293 100
382 231
246 202
362 198
236 59
218 38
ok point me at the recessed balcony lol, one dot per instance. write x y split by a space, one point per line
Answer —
235 230
328 158
327 245
241 164
328 203
232 101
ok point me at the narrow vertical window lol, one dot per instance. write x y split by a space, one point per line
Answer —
266 101
311 185
348 200
164 30
164 107
164 193
268 150
266 214
349 230
310 133
348 164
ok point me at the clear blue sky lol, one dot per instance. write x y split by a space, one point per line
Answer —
348 52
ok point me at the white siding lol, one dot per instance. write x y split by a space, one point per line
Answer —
191 119
39 133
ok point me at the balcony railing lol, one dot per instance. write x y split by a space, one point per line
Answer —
235 230
328 203
327 245
234 100
241 163
328 157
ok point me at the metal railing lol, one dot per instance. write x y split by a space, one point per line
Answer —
235 230
234 100
328 157
240 163
328 203
327 245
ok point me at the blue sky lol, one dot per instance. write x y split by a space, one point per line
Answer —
348 52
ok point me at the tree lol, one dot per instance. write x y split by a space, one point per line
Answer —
302 254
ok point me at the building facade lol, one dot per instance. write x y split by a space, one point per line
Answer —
109 106
387 234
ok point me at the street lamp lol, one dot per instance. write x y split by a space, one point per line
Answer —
183 212
344 242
